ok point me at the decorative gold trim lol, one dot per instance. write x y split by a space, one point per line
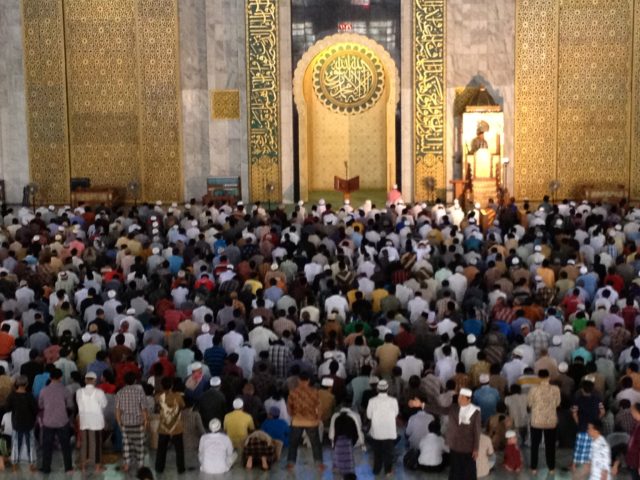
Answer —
429 60
393 83
263 100
225 104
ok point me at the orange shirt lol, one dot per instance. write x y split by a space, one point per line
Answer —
7 342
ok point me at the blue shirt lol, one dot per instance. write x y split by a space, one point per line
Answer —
472 326
175 264
487 399
516 325
39 382
277 429
214 358
98 368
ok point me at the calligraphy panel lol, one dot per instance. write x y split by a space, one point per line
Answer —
594 93
45 87
429 94
263 100
536 97
634 166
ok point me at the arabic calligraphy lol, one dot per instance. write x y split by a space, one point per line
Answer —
348 78
429 94
263 94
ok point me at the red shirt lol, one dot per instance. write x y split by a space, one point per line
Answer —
512 457
617 282
7 342
405 340
172 318
629 314
168 369
122 369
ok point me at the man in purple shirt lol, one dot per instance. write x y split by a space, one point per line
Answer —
55 401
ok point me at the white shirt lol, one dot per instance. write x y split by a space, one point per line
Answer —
215 453
513 370
431 448
469 356
382 411
232 341
259 338
416 306
337 302
446 326
246 359
445 369
203 342
91 404
129 340
199 313
410 366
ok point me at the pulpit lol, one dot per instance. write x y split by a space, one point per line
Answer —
346 186
109 197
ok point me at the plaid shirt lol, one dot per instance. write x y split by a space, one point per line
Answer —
538 340
131 401
280 357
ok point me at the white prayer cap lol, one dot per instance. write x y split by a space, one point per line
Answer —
155 224
515 261
274 266
158 202
206 328
36 238
473 261
111 294
174 204
240 203
583 270
618 227
517 352
300 202
563 367
395 186
471 339
538 278
131 311
580 307
568 328
58 237
327 382
153 218
155 250
559 222
215 382
590 378
51 207
91 375
383 386
238 404
214 424
321 201
510 434
484 378
373 380
187 206
181 274
257 320
155 231
194 223
196 366
571 261
537 248
328 355
476 205
465 392
556 340
86 337
347 202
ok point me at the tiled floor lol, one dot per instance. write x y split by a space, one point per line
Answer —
304 470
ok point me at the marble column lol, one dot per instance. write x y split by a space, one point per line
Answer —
481 50
226 69
406 100
14 157
195 96
286 101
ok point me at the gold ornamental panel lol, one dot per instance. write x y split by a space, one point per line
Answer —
429 20
102 88
225 104
263 100
45 89
594 93
536 97
348 78
634 164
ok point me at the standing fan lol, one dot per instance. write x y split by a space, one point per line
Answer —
270 189
430 182
29 195
554 186
133 190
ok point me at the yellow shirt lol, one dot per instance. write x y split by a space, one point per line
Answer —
238 425
255 285
387 355
376 296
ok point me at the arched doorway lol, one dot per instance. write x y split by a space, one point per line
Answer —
346 88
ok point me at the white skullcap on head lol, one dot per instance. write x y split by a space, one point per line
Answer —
473 261
347 202
300 202
484 378
257 320
321 201
196 366
515 261
86 337
155 224
155 231
537 248
131 311
206 328
181 274
111 294
559 222
395 186
476 205
58 237
153 218
158 202
174 204
618 227
571 261
465 392
510 434
238 404
383 386
583 270
471 338
51 207
556 340
194 223
215 382
214 425
155 250
563 367
274 266
327 355
36 238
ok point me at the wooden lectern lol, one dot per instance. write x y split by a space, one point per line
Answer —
346 186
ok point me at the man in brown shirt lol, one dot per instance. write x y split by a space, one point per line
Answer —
304 408
170 404
543 400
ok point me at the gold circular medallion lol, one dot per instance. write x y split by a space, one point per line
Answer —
348 78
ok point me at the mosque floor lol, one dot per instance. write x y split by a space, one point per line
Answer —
305 469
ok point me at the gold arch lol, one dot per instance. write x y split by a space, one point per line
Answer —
392 82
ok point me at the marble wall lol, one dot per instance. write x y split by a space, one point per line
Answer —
14 163
481 50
